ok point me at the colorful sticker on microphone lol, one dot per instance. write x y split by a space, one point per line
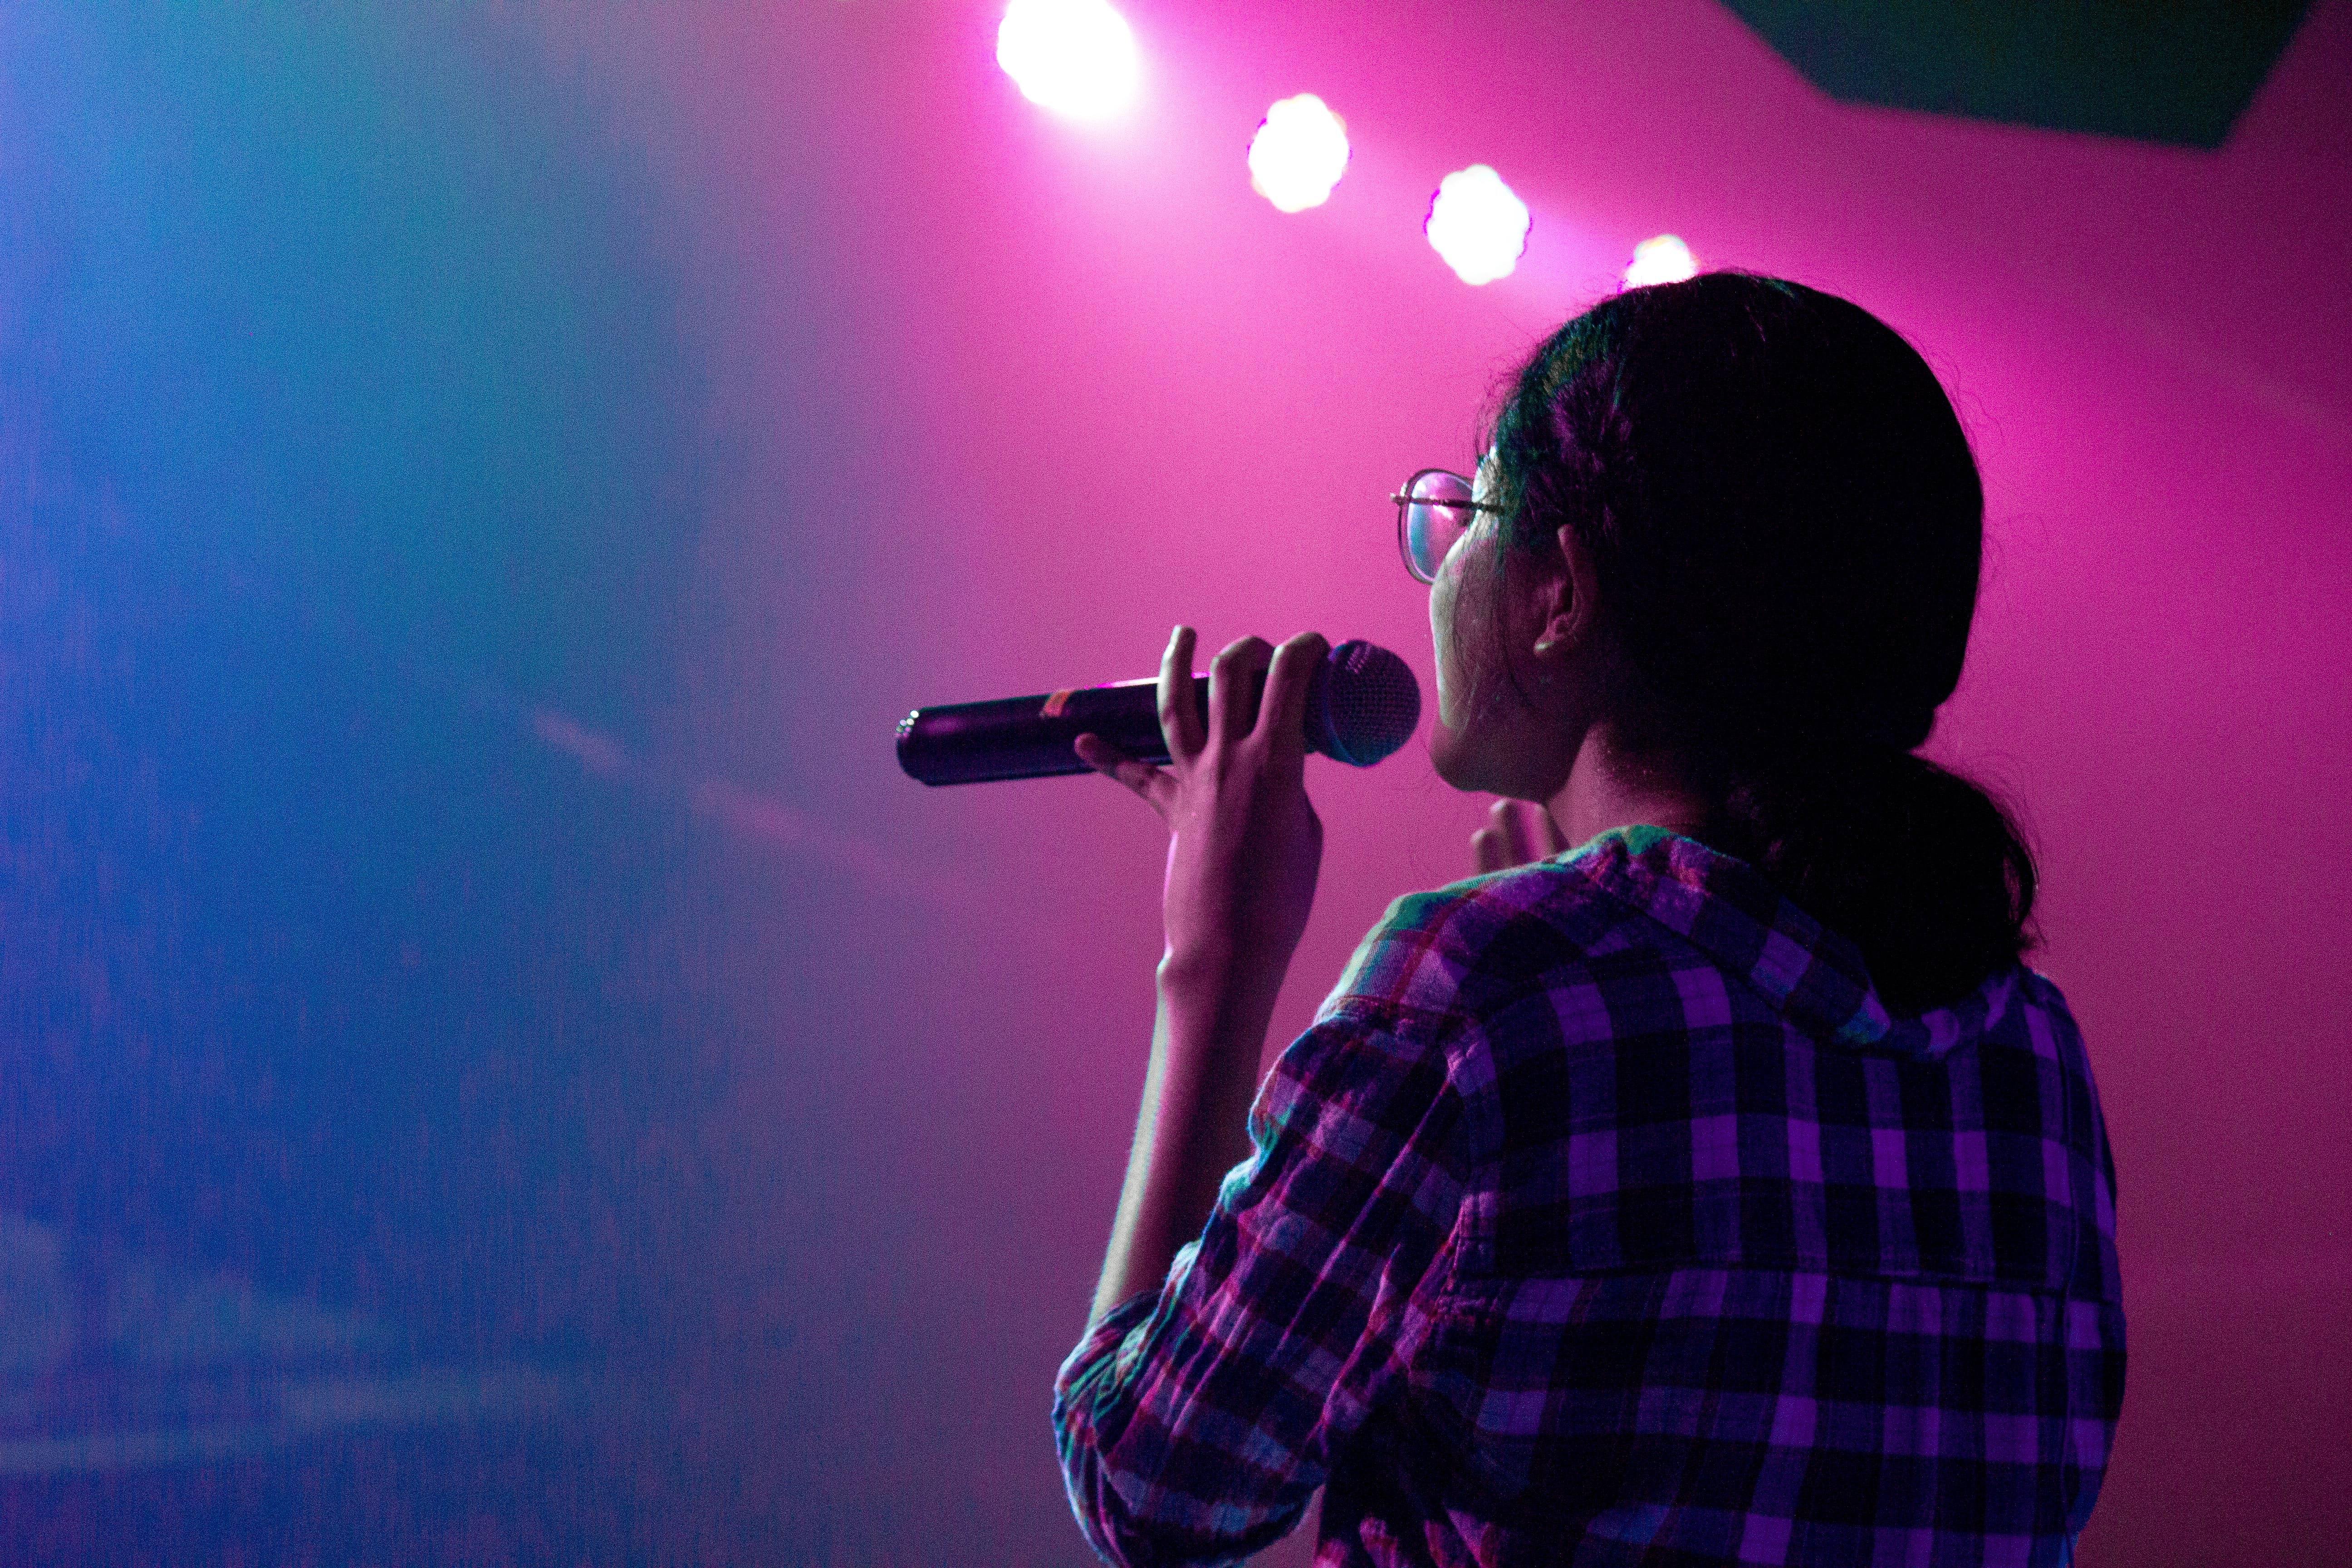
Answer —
1056 702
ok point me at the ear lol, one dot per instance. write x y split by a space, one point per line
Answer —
1569 603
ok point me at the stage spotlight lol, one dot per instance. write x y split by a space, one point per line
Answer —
1076 57
1299 153
1661 258
1478 225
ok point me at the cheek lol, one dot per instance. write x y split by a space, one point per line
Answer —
1454 625
1440 617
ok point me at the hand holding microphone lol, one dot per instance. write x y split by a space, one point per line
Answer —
1245 846
1222 759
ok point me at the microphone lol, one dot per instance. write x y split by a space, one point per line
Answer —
1363 703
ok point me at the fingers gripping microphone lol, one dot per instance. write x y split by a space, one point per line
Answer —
1363 703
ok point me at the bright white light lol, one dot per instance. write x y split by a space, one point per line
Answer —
1074 56
1299 153
1662 259
1478 225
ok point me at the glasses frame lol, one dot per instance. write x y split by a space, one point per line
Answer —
1405 500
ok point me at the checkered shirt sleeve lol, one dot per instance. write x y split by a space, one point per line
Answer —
1195 1423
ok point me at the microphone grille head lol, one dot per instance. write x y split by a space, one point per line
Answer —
1363 705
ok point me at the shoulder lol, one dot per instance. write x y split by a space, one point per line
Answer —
2055 1037
2045 1003
1460 952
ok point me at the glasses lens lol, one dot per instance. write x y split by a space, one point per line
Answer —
1436 513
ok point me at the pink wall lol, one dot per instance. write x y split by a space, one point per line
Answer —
1081 384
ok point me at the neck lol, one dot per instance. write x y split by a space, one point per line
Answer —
1609 784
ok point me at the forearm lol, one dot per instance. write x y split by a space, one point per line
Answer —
1207 1040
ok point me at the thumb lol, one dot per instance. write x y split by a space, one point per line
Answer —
1155 785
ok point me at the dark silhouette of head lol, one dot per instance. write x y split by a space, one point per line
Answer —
1786 526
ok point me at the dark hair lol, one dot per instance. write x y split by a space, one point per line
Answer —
1787 525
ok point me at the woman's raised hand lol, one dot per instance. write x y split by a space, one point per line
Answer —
1514 830
1245 845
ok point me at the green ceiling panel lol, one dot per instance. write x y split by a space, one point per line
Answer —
2160 71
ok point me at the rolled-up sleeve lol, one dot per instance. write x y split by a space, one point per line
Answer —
1195 1424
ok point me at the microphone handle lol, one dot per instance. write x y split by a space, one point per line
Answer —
1030 737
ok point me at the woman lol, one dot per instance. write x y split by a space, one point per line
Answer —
1725 1191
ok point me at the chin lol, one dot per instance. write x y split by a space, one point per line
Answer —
1444 753
1458 762
1495 761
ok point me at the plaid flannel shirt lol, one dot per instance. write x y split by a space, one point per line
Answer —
1604 1216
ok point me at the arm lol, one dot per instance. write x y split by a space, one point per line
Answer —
1244 851
1192 1129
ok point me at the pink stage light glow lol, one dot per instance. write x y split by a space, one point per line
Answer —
1478 225
1299 153
1075 57
1661 258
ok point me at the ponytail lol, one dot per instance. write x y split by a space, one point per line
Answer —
1920 868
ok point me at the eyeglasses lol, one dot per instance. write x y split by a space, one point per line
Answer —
1434 508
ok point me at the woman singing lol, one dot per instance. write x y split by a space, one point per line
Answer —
1722 1190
